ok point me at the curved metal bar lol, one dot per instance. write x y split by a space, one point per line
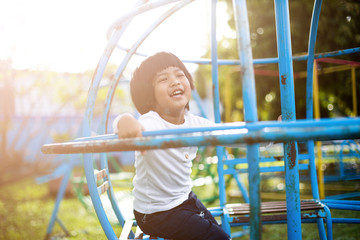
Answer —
86 126
100 212
309 107
86 130
328 223
111 193
95 82
141 9
102 127
311 57
104 160
92 96
129 54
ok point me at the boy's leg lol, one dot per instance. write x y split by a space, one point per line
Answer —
190 220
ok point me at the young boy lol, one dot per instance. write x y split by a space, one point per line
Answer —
164 204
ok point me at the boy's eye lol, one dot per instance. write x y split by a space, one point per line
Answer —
180 75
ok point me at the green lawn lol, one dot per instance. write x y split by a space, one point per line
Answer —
25 210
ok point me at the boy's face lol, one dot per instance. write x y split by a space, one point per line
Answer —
172 91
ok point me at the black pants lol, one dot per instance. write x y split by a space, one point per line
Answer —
189 220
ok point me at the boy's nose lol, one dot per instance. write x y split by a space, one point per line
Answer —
174 81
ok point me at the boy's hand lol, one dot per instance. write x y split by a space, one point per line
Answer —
129 127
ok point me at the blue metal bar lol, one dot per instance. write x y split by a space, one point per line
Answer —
122 66
336 53
242 188
250 112
346 220
341 157
263 125
197 99
111 194
61 224
138 10
288 113
321 228
100 212
220 151
260 60
103 124
59 197
86 126
343 206
310 59
240 234
328 224
214 64
347 202
235 161
309 108
86 131
272 169
225 139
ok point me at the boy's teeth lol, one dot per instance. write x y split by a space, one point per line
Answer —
176 92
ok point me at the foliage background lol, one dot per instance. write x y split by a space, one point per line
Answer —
338 29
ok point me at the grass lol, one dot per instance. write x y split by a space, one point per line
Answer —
26 207
25 211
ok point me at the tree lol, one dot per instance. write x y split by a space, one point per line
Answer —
338 29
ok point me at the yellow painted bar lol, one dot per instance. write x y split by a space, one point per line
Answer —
318 144
227 100
326 70
353 80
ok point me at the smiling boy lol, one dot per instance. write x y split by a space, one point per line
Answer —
164 204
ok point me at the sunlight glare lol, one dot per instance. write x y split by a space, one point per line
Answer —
70 36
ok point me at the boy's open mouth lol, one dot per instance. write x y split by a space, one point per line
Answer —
177 92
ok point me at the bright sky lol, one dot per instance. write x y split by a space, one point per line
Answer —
70 35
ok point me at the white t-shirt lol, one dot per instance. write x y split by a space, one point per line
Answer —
162 180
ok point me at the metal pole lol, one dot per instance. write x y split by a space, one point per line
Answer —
288 114
250 113
318 144
216 100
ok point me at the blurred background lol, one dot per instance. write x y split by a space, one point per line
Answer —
49 51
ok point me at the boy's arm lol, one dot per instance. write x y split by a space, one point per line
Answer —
127 126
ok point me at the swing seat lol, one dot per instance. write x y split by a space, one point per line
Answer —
276 212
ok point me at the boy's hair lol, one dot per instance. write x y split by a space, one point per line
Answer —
141 84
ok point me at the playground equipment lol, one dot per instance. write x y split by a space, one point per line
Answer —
250 133
347 65
338 152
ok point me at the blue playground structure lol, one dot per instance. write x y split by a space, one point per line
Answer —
251 133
